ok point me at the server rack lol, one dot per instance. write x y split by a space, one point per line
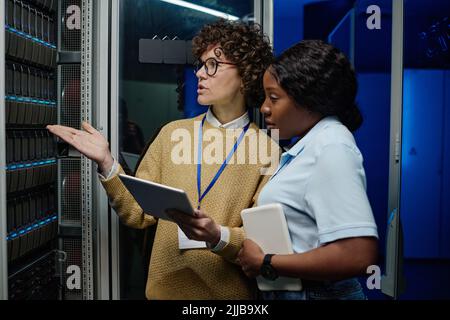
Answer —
45 222
30 171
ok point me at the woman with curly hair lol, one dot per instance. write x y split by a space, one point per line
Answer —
310 93
195 258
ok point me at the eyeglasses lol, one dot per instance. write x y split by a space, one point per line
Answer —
210 64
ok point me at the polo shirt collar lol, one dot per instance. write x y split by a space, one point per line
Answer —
298 147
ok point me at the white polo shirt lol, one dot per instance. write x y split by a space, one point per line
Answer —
321 185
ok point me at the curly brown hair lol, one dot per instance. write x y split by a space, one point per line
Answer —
243 44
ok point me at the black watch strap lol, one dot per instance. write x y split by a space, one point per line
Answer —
267 270
267 259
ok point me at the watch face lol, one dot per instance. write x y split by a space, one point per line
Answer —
268 272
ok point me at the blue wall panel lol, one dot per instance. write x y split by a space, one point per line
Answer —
287 24
373 47
445 218
321 17
340 37
421 162
427 279
373 141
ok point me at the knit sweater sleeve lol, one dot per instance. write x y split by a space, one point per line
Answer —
120 198
237 234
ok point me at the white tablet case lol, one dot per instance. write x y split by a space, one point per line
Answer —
155 198
266 225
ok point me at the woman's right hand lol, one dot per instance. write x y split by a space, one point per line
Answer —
89 142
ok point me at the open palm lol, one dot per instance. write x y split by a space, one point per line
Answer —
89 142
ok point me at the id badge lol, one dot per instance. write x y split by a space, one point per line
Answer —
185 243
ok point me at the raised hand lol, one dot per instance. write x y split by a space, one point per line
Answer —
89 142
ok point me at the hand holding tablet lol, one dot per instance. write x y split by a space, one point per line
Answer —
155 199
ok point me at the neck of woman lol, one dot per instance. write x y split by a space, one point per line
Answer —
228 112
311 121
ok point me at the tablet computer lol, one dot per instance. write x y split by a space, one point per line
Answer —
155 198
266 225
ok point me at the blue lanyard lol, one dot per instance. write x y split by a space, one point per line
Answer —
222 167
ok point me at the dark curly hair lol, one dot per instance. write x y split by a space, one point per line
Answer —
320 78
243 44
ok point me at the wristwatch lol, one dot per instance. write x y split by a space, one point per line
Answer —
267 270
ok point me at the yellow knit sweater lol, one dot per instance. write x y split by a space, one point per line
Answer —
195 273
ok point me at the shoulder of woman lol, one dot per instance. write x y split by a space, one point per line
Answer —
183 123
336 138
335 134
166 131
